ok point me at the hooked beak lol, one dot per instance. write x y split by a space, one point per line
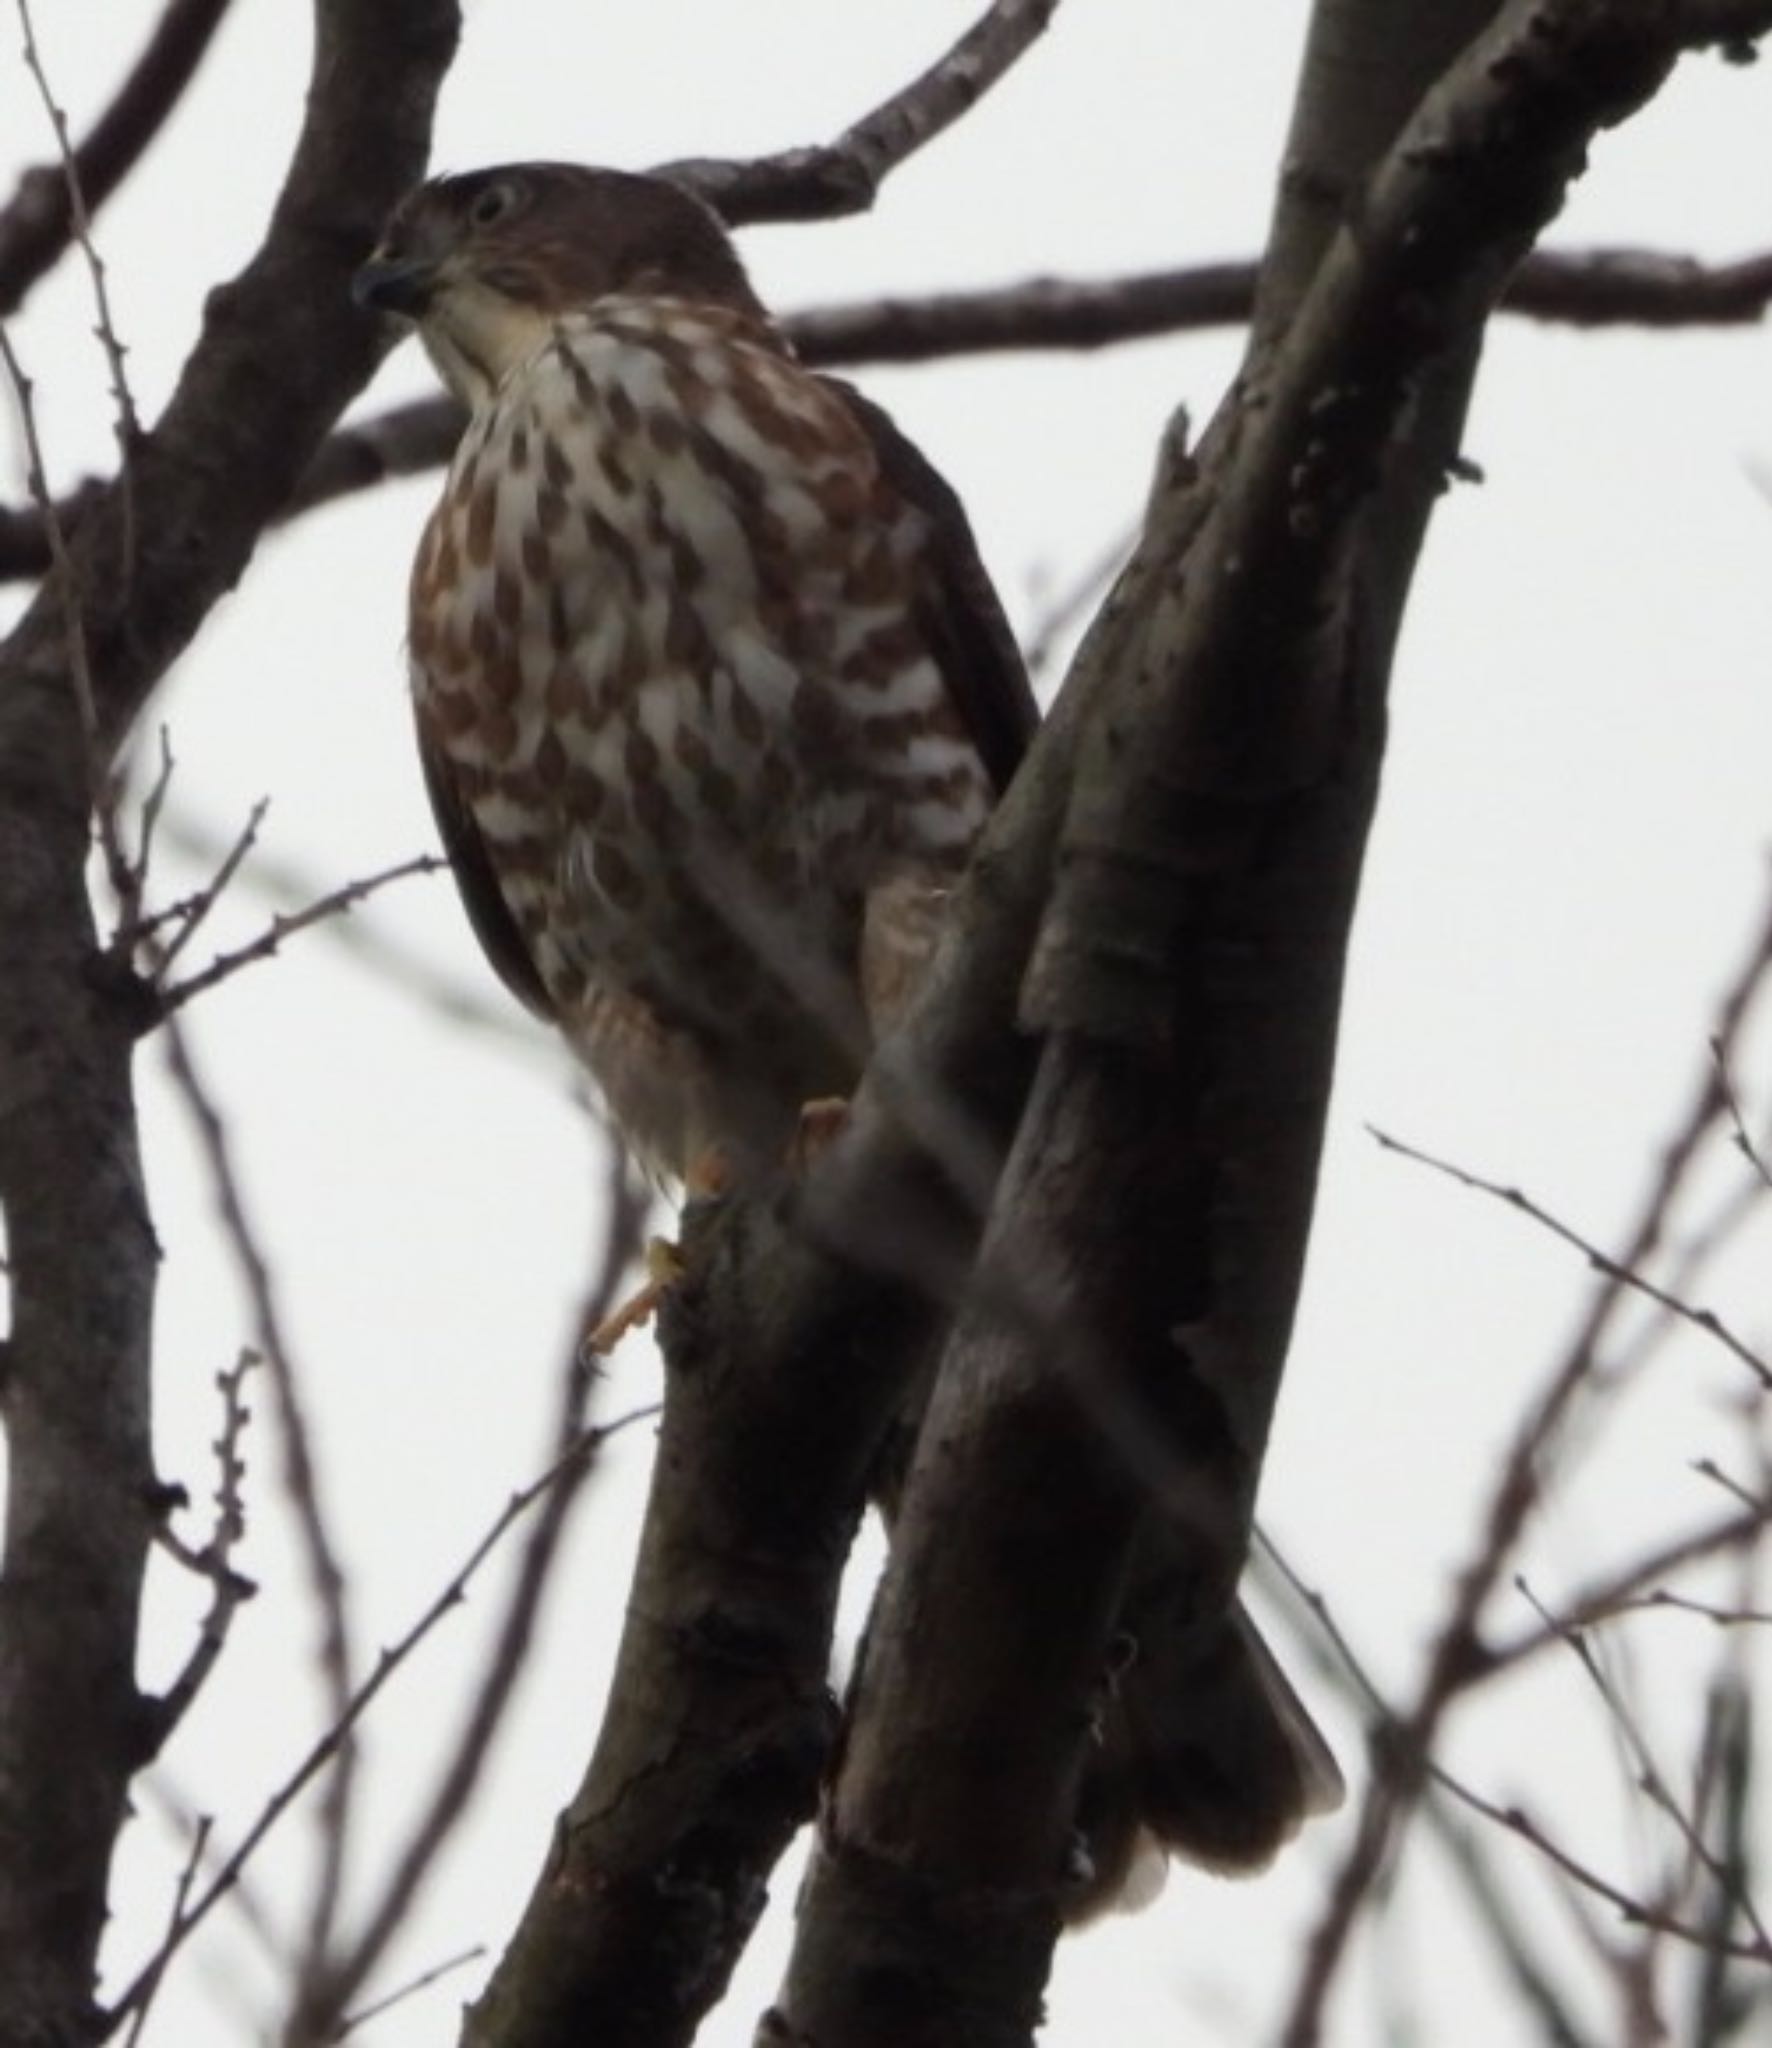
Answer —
395 284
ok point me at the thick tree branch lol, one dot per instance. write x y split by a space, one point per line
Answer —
281 351
1195 942
787 1352
942 1855
823 1343
37 226
1204 1080
845 176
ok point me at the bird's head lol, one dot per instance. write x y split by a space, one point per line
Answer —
484 263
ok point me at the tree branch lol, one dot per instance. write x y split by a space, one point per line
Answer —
845 176
1192 952
81 1500
1579 288
37 226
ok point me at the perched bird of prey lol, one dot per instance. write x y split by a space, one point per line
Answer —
713 694
713 697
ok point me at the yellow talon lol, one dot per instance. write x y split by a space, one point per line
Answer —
664 1268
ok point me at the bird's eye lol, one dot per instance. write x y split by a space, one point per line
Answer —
492 204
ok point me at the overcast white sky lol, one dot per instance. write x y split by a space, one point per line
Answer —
1572 842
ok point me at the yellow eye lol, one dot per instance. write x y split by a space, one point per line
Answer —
493 204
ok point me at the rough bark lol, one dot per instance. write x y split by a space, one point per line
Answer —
1193 949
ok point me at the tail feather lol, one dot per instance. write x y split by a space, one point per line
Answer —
1205 1752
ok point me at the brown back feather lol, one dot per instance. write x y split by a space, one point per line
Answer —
960 615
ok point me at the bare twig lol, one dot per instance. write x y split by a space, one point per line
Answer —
1649 1778
129 908
1628 1589
370 944
300 1478
180 1898
334 904
190 911
1457 1653
1704 1319
80 229
332 1744
844 176
1634 1910
229 1590
423 1982
1708 1468
1681 1603
1744 1144
251 1906
626 1205
36 227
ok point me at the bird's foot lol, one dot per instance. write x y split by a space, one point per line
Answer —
664 1268
821 1124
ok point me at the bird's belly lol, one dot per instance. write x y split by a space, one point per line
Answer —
683 694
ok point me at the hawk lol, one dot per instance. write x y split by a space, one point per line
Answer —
713 697
713 694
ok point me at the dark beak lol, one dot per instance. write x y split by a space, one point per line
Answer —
395 284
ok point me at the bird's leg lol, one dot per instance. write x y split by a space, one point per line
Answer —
664 1268
708 1177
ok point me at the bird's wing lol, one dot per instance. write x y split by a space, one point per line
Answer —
488 912
958 608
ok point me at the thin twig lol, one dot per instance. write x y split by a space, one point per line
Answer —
333 904
626 1205
1457 1653
374 945
1704 1319
128 425
180 1897
190 911
1681 1603
423 1982
229 1590
80 231
129 909
1650 1780
1744 1144
332 1744
1634 1910
300 1478
1627 1590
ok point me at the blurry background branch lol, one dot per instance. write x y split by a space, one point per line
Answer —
1459 1651
1581 288
37 223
